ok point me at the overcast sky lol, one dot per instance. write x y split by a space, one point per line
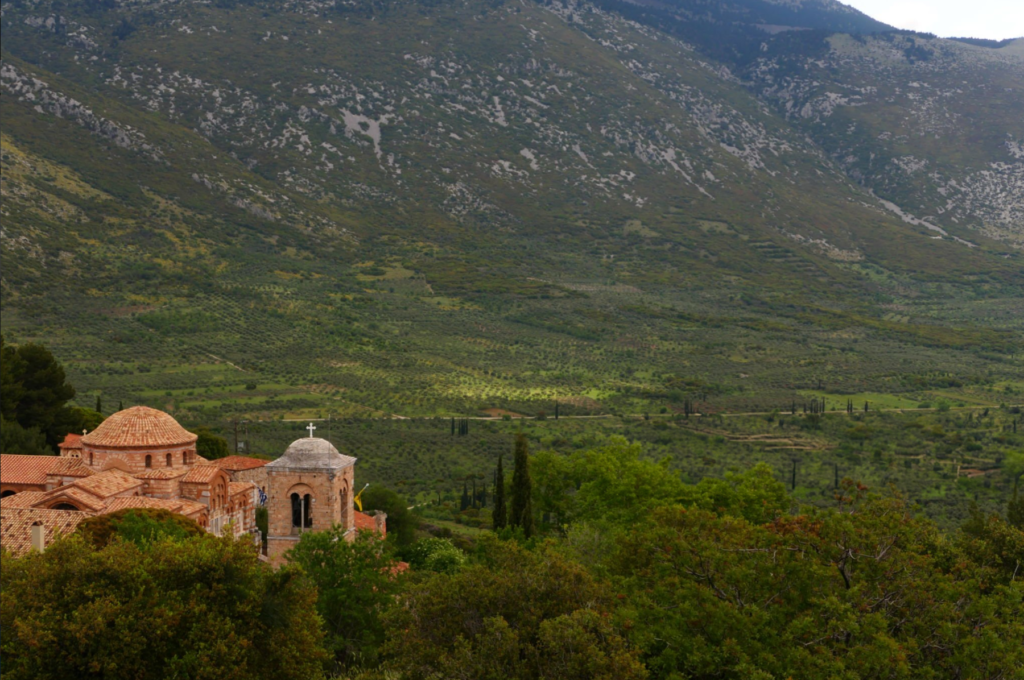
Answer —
994 19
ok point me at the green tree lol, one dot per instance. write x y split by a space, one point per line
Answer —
869 588
44 391
140 526
16 439
436 554
522 489
211 446
499 513
202 607
355 581
401 522
520 615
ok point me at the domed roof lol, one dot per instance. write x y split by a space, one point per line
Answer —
139 427
312 453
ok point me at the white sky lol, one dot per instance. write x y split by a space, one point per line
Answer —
994 19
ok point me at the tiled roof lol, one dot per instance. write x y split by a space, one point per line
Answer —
73 495
240 487
24 499
139 427
17 469
108 483
364 522
182 506
238 463
201 474
161 473
71 441
16 525
71 467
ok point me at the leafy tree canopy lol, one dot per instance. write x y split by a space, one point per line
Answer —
355 581
200 607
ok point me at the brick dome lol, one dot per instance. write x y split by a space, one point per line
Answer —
139 427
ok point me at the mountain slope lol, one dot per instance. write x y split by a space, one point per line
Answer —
319 193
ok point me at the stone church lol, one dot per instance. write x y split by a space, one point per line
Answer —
143 458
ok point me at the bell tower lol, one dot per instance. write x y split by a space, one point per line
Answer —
309 488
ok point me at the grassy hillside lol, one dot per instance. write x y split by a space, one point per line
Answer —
289 209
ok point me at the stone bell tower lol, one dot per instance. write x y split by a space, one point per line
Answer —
309 488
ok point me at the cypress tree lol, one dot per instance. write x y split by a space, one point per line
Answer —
522 488
1015 510
120 406
99 404
499 514
465 497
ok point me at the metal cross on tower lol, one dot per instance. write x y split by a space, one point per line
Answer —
311 428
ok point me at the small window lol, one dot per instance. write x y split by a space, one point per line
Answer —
149 461
170 460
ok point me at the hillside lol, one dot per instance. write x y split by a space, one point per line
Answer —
415 208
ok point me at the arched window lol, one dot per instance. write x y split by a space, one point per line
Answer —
90 458
149 461
301 517
170 460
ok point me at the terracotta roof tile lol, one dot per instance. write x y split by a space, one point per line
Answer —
139 427
73 495
238 463
202 474
161 473
17 469
108 483
16 525
181 506
240 487
71 441
71 467
24 499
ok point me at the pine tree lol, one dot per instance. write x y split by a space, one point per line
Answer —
522 488
499 513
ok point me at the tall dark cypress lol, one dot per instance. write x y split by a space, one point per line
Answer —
465 496
1015 510
99 404
522 488
499 513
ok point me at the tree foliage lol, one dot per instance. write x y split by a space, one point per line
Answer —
355 582
211 446
518 615
202 607
521 515
401 523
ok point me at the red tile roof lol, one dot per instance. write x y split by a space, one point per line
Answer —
16 525
72 495
364 522
161 473
71 441
182 506
238 463
240 487
17 469
202 474
70 467
108 483
24 499
139 427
